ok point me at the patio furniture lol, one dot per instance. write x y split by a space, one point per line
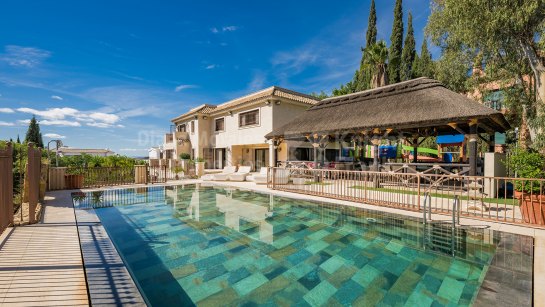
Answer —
224 176
260 178
241 174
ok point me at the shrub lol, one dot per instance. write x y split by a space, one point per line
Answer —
185 156
527 164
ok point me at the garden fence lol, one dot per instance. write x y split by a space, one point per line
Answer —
6 187
514 200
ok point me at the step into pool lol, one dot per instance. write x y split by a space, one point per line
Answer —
219 246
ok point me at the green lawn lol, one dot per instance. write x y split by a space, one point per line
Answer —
499 201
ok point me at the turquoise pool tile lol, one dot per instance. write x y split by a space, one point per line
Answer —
366 275
317 246
459 269
394 246
320 294
316 250
332 264
349 291
319 235
250 283
451 289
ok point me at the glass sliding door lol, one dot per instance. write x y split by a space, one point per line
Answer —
220 159
261 158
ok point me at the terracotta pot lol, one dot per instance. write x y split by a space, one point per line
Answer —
532 207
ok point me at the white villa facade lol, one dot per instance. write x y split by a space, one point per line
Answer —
233 133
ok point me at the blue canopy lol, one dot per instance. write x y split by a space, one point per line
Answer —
450 139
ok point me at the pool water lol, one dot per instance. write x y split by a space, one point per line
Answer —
212 246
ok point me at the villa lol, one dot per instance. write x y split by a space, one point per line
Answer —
411 233
233 133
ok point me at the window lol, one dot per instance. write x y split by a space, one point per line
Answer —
181 128
248 118
193 126
220 124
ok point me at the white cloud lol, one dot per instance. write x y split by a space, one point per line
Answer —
56 97
72 117
54 113
211 66
99 125
224 29
28 57
229 28
58 122
104 117
6 110
6 124
182 87
54 136
23 121
132 149
258 81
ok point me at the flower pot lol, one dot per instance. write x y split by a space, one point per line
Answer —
73 181
532 207
199 169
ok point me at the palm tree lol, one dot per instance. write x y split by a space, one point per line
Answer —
375 58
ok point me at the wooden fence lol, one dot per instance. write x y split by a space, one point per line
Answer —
32 181
6 187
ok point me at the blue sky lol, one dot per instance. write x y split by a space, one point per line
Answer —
111 74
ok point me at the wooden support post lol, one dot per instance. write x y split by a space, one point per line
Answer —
415 150
492 143
375 158
472 150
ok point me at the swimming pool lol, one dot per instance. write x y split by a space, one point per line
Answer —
211 245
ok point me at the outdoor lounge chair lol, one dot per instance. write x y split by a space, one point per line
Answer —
260 178
241 174
282 176
223 176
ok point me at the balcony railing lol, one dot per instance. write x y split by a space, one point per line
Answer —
513 200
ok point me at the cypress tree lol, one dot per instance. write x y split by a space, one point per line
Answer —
409 52
425 62
396 44
363 76
33 133
371 36
18 139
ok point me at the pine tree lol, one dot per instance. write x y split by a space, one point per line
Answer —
363 76
425 65
18 139
409 52
396 43
33 133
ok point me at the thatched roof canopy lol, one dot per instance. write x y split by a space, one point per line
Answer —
421 106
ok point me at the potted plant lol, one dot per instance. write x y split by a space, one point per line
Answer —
177 170
199 166
529 165
185 157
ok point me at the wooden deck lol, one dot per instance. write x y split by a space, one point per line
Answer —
41 264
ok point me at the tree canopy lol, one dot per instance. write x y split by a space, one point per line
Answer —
409 52
509 37
33 133
396 44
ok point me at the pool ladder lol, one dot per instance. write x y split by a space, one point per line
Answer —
456 209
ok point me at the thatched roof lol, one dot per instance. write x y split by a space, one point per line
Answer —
407 107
